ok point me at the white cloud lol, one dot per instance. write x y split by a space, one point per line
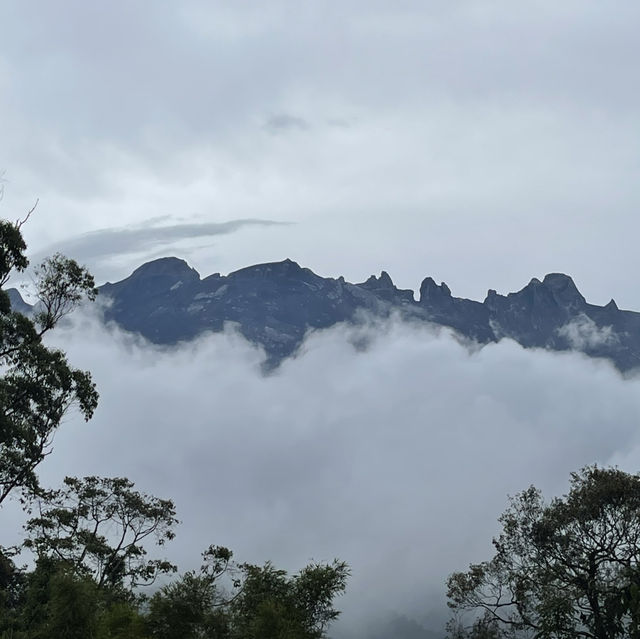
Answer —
397 459
583 333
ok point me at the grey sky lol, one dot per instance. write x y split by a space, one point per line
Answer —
481 143
485 143
283 122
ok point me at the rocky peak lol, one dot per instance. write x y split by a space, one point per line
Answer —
532 288
564 291
166 267
159 277
493 300
431 293
535 296
384 288
611 306
285 268
384 282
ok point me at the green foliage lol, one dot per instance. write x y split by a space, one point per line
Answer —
12 248
37 386
97 527
71 607
196 605
12 583
187 609
56 602
564 569
121 620
313 590
273 605
228 601
61 285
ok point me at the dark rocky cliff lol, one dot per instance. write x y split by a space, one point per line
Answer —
275 304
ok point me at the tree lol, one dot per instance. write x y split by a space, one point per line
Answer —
121 620
37 386
195 604
57 602
71 609
225 600
272 605
97 527
61 285
188 608
564 569
12 585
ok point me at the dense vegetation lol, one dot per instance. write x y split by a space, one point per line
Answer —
89 539
566 569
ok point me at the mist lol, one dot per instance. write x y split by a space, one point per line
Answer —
390 446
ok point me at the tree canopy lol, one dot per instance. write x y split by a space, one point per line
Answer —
256 602
37 385
97 526
564 569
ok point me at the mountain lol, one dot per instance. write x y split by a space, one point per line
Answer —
273 305
276 304
17 303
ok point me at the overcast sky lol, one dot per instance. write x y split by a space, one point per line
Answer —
482 143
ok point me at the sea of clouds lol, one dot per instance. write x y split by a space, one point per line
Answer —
397 457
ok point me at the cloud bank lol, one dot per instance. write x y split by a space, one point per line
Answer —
397 459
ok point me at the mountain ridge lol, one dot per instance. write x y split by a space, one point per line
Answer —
275 304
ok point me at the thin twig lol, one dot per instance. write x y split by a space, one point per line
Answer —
20 223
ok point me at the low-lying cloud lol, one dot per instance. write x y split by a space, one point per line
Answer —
583 333
397 459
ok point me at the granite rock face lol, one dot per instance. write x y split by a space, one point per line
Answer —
276 304
273 305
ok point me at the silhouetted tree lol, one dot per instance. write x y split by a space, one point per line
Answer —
225 600
97 527
569 568
37 385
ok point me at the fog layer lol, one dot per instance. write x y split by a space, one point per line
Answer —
397 458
